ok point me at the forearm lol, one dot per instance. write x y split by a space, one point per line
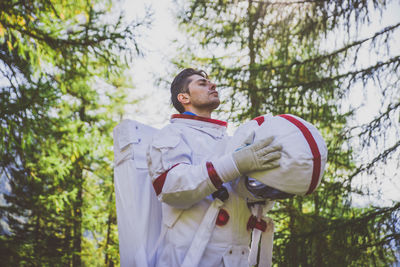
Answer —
184 185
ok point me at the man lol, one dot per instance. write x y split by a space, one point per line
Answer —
189 169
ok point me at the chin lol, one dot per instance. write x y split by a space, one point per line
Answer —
215 101
215 104
210 105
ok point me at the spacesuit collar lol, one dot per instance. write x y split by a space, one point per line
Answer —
198 118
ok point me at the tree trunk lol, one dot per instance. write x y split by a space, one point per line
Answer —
77 238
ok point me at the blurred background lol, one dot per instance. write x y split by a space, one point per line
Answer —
70 71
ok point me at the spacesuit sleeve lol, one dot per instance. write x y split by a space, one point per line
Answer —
175 179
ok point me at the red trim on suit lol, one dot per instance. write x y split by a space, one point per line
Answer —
212 173
222 218
198 118
253 222
158 183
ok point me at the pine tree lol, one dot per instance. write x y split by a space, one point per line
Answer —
62 83
274 57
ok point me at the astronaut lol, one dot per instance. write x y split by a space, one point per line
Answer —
192 174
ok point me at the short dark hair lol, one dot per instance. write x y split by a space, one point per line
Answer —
180 85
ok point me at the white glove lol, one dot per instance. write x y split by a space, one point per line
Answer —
260 155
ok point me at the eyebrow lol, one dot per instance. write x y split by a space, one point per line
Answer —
202 80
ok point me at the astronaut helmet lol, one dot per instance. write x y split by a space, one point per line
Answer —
303 157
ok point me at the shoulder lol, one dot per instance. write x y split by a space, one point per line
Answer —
169 136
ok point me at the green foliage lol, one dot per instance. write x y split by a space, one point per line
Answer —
61 88
273 57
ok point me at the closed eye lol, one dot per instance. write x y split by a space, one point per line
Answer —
202 81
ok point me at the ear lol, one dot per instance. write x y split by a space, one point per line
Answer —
184 98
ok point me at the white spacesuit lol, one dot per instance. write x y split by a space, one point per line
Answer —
177 160
188 161
193 168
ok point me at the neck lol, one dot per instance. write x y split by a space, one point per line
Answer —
201 113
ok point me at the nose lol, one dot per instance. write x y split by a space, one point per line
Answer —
213 86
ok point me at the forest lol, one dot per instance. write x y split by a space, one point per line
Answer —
64 87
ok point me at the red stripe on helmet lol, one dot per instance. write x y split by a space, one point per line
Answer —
314 150
260 120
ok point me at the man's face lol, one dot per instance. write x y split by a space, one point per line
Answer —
203 93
